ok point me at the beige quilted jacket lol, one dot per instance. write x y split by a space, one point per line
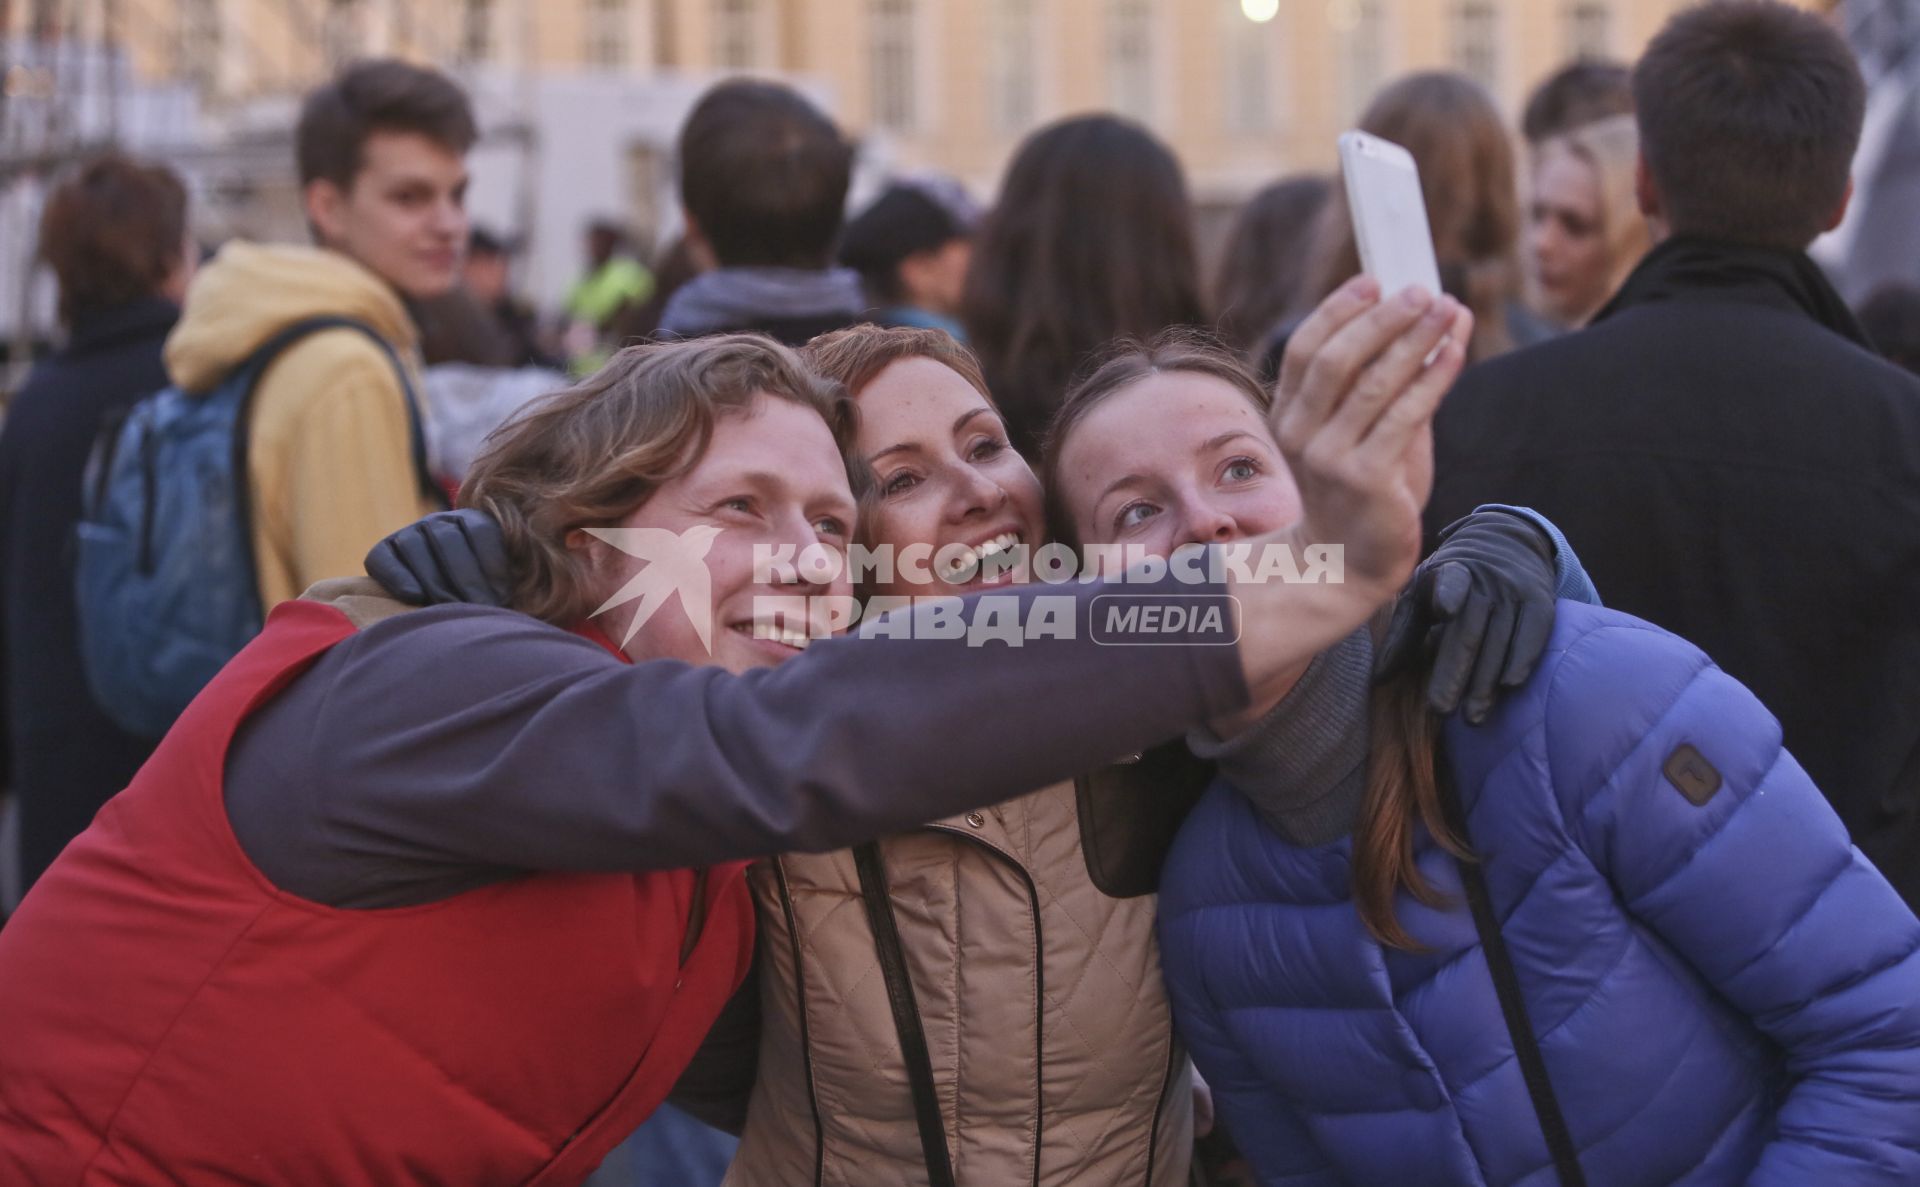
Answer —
1048 1029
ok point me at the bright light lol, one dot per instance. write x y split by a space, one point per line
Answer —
1260 11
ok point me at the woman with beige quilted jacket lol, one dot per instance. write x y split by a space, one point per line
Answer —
1021 937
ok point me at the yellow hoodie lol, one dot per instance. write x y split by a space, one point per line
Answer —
330 458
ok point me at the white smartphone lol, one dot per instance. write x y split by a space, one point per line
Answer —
1389 213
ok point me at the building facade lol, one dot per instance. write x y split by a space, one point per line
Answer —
580 98
1244 88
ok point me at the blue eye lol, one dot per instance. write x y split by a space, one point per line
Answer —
828 525
1135 514
1241 469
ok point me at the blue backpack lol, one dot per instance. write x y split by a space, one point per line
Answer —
164 569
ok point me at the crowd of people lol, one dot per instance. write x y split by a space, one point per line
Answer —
563 836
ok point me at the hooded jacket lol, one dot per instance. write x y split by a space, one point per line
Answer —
1724 991
329 450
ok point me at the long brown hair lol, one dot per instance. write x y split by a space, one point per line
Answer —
1264 266
1403 790
1454 131
1091 240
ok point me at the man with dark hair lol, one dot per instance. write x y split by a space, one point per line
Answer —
1730 456
1584 91
763 185
331 457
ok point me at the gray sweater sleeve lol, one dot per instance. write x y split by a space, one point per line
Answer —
457 745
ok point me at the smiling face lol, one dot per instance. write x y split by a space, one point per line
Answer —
945 476
770 477
1174 458
403 216
1567 235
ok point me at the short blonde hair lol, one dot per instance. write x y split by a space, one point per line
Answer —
1611 148
589 455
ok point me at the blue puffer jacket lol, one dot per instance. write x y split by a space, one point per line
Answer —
1724 992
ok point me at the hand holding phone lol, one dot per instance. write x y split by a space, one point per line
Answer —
1389 213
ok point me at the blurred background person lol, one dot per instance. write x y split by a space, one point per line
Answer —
1585 232
1263 271
115 236
1091 239
911 247
457 327
487 273
1737 465
678 265
1583 91
615 279
763 187
1459 140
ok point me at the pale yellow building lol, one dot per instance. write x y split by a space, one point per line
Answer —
1243 88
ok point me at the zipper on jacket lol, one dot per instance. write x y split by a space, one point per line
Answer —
1160 1105
806 1038
1039 985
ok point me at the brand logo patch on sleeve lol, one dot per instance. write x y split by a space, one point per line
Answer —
1692 775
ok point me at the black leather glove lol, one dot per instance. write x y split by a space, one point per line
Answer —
450 556
1482 605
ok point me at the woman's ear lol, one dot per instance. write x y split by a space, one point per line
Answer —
591 551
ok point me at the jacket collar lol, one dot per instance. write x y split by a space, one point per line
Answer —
728 298
143 317
1689 268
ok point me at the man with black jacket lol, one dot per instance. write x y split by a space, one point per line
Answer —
1729 456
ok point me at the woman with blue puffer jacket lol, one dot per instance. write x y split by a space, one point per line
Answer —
1614 935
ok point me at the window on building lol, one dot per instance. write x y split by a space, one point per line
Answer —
1589 30
200 42
1130 57
1476 41
1248 58
1014 91
736 34
476 30
892 62
1365 26
606 30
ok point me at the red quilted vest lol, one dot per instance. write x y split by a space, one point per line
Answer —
167 1015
